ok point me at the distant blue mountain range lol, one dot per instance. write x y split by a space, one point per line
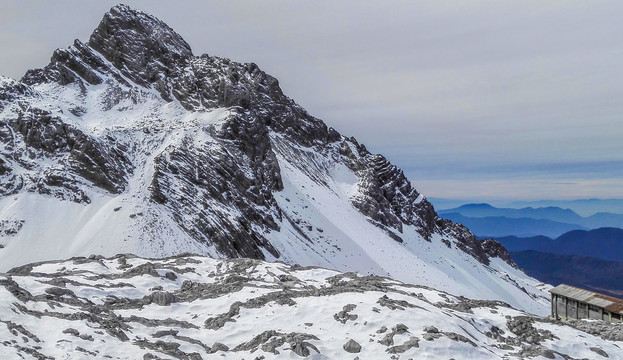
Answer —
583 207
587 259
486 220
582 271
497 226
603 243
551 241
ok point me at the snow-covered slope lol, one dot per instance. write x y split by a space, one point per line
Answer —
191 307
130 143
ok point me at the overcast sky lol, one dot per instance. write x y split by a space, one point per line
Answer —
473 99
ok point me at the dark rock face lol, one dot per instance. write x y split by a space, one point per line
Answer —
203 181
352 346
220 191
142 47
89 158
11 90
466 240
344 315
37 135
161 298
389 199
494 249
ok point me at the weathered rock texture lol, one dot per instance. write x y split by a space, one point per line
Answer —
243 309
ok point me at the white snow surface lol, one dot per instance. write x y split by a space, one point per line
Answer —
101 308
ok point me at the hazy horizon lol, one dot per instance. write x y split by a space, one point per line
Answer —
582 207
477 99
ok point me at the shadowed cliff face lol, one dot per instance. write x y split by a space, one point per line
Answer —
217 178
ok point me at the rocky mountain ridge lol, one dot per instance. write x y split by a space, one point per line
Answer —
192 307
130 143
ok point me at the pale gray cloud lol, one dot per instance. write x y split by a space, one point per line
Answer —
478 93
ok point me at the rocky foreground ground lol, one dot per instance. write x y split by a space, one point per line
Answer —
192 307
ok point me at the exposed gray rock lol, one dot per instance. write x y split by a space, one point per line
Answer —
9 227
298 344
605 330
168 348
159 322
494 249
431 330
143 269
522 327
14 288
272 344
218 347
76 333
352 346
170 275
16 328
388 339
71 331
162 333
395 304
57 292
270 340
599 351
458 337
83 350
534 350
413 342
193 341
466 305
259 340
288 278
162 298
344 315
400 329
218 322
150 356
171 338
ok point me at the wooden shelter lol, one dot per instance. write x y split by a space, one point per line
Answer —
570 302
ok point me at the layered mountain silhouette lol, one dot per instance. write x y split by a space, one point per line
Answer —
584 207
603 243
497 226
551 221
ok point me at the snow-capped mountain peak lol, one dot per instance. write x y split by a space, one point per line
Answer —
131 144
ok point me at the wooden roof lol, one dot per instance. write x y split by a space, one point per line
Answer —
609 303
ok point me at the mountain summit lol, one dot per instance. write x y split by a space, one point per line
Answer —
131 144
